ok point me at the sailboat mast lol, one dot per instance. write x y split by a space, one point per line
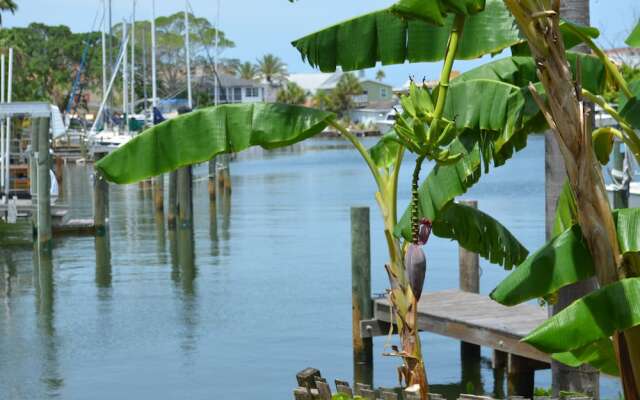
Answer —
104 54
144 69
188 55
216 89
133 61
125 78
154 83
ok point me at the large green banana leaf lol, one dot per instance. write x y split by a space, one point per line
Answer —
469 227
560 262
595 317
634 38
565 259
600 355
520 70
201 135
391 39
435 11
630 108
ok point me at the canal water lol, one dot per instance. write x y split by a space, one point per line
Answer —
267 293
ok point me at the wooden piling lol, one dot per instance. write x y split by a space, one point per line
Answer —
469 267
520 377
172 208
158 194
184 185
103 261
362 305
212 180
100 203
43 158
224 174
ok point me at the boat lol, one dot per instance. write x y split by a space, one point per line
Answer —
385 125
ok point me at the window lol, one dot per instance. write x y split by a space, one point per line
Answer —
383 92
237 94
252 92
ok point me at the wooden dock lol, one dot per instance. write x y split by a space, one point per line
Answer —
471 318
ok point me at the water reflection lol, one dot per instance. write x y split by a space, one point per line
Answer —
103 261
45 298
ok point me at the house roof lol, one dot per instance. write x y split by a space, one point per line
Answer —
230 81
311 82
625 55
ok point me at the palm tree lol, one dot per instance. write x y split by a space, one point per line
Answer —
247 70
272 68
7 5
292 94
342 95
380 75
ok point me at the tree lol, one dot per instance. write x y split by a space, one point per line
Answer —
291 94
272 69
380 75
341 98
247 70
7 5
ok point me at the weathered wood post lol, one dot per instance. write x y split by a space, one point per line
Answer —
361 303
621 196
103 261
469 281
212 180
100 203
184 187
33 164
158 194
520 377
172 212
469 266
224 173
43 160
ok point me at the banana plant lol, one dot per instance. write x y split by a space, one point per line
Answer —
465 125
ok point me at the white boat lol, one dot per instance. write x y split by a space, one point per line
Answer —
386 124
108 140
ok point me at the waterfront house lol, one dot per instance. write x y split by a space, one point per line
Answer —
232 90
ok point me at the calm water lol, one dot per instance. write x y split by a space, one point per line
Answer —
267 295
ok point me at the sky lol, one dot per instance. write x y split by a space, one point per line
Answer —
268 26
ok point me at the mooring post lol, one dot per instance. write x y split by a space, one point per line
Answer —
172 211
43 160
212 180
184 187
469 265
361 302
100 202
158 194
224 174
520 377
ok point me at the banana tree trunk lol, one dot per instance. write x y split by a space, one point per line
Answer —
570 122
584 379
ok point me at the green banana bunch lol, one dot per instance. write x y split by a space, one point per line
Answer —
421 131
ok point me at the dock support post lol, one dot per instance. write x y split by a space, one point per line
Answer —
43 161
520 377
172 211
158 194
212 180
184 187
100 204
362 305
469 282
223 173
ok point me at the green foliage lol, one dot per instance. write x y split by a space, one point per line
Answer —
434 12
271 68
634 38
380 75
594 317
7 5
201 135
391 39
540 274
340 99
247 70
600 355
291 94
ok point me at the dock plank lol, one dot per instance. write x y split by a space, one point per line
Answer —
476 319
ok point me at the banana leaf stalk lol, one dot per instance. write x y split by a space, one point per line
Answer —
568 118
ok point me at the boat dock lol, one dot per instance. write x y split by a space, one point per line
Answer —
461 314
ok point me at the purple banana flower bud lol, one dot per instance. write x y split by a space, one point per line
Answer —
424 231
415 264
